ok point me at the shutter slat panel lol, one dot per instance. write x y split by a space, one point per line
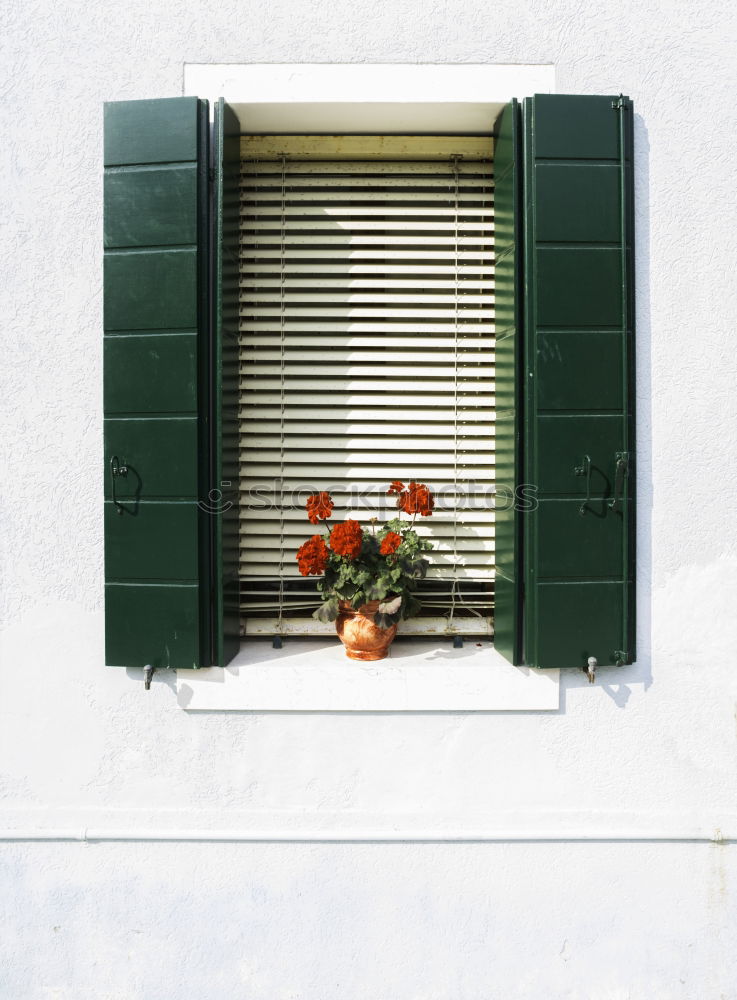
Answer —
366 333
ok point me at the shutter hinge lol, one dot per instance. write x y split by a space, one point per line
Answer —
148 672
619 104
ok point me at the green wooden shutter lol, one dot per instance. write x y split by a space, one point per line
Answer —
155 383
507 258
226 384
579 417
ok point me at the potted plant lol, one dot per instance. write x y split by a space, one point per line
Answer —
369 575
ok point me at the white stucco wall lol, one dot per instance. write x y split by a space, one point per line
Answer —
583 911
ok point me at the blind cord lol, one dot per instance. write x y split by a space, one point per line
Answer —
454 588
282 387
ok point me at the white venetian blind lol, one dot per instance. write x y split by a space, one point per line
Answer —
366 355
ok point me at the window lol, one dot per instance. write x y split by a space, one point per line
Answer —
366 354
563 586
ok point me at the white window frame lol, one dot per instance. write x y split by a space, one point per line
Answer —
315 676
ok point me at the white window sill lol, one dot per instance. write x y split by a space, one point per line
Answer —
418 676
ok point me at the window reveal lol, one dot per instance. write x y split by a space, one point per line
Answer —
366 353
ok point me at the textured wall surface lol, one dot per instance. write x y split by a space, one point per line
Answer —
650 750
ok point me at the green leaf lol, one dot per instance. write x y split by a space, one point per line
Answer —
411 607
328 611
423 566
386 621
370 546
376 591
391 607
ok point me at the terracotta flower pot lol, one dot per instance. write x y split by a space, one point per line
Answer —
359 633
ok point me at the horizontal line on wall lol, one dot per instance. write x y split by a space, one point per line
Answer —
112 835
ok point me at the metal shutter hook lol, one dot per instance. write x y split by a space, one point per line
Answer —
620 474
117 470
584 469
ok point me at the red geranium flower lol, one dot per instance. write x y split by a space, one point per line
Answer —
346 539
390 543
416 499
313 556
395 487
319 507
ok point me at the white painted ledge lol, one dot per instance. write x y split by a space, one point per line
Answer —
418 676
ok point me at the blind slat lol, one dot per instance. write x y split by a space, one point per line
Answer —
339 298
364 169
347 255
416 402
321 208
